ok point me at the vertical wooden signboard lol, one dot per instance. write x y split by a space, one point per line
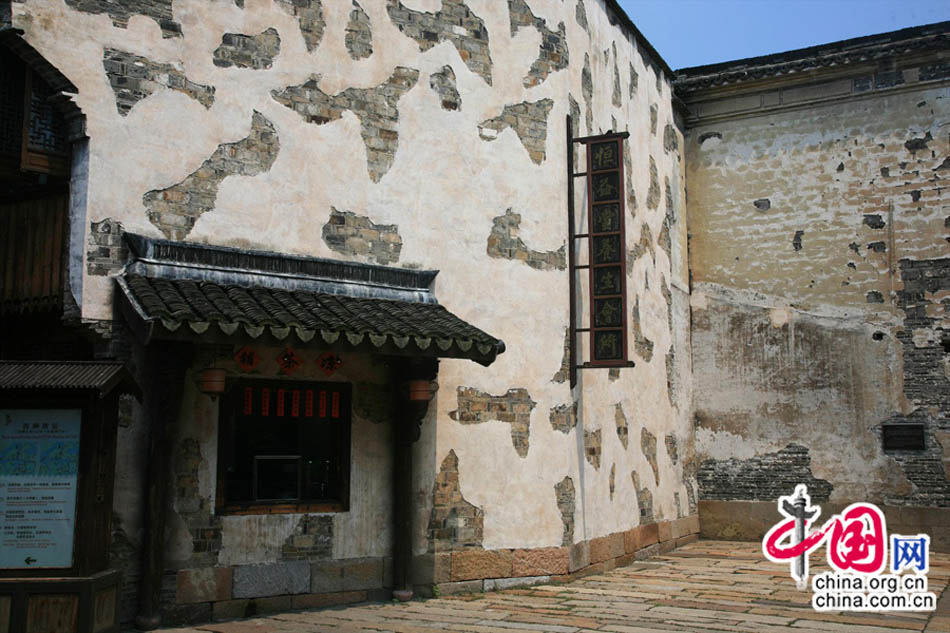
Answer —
606 266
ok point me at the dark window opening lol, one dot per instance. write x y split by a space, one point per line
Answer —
284 446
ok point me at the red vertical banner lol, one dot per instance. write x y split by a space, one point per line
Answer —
265 401
335 409
308 403
281 396
295 403
323 403
248 400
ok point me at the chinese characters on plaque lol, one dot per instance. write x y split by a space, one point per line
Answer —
605 227
39 465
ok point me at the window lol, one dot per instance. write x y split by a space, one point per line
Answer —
284 447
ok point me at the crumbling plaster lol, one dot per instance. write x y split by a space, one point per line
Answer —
444 186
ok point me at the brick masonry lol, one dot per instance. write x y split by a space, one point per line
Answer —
616 95
623 429
563 417
648 446
309 14
358 236
454 22
514 408
593 447
925 341
762 478
175 210
641 344
644 499
529 120
553 52
376 108
257 52
105 252
580 14
587 89
359 33
454 523
134 78
564 371
443 84
312 539
121 10
505 243
564 495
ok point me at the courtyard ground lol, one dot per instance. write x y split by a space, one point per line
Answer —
703 587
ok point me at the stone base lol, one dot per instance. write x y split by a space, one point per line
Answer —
473 570
750 520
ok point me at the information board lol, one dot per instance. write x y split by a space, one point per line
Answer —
39 465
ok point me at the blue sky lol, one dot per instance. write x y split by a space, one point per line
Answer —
698 32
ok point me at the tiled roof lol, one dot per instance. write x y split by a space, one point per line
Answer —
67 375
200 309
867 49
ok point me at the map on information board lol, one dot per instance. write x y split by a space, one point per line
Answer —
39 467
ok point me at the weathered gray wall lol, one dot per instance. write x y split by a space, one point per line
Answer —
819 227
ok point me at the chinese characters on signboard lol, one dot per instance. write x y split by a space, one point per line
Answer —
606 231
39 465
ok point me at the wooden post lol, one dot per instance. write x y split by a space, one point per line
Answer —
407 429
165 366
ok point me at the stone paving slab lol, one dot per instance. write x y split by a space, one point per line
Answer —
702 587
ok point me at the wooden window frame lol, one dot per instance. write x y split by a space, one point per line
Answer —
228 419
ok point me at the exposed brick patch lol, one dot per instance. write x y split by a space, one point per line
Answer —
552 54
613 374
248 51
529 120
653 114
187 463
475 407
575 110
634 80
641 248
679 507
563 417
648 446
644 499
375 107
359 33
357 235
309 14
454 523
580 14
623 429
691 496
587 88
443 84
924 300
615 96
121 10
610 481
668 299
175 210
671 447
429 29
916 144
564 371
797 240
593 447
312 539
670 141
564 495
628 178
504 243
762 478
134 78
642 345
653 195
105 252
670 375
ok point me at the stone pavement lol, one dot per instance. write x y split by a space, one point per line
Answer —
703 587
